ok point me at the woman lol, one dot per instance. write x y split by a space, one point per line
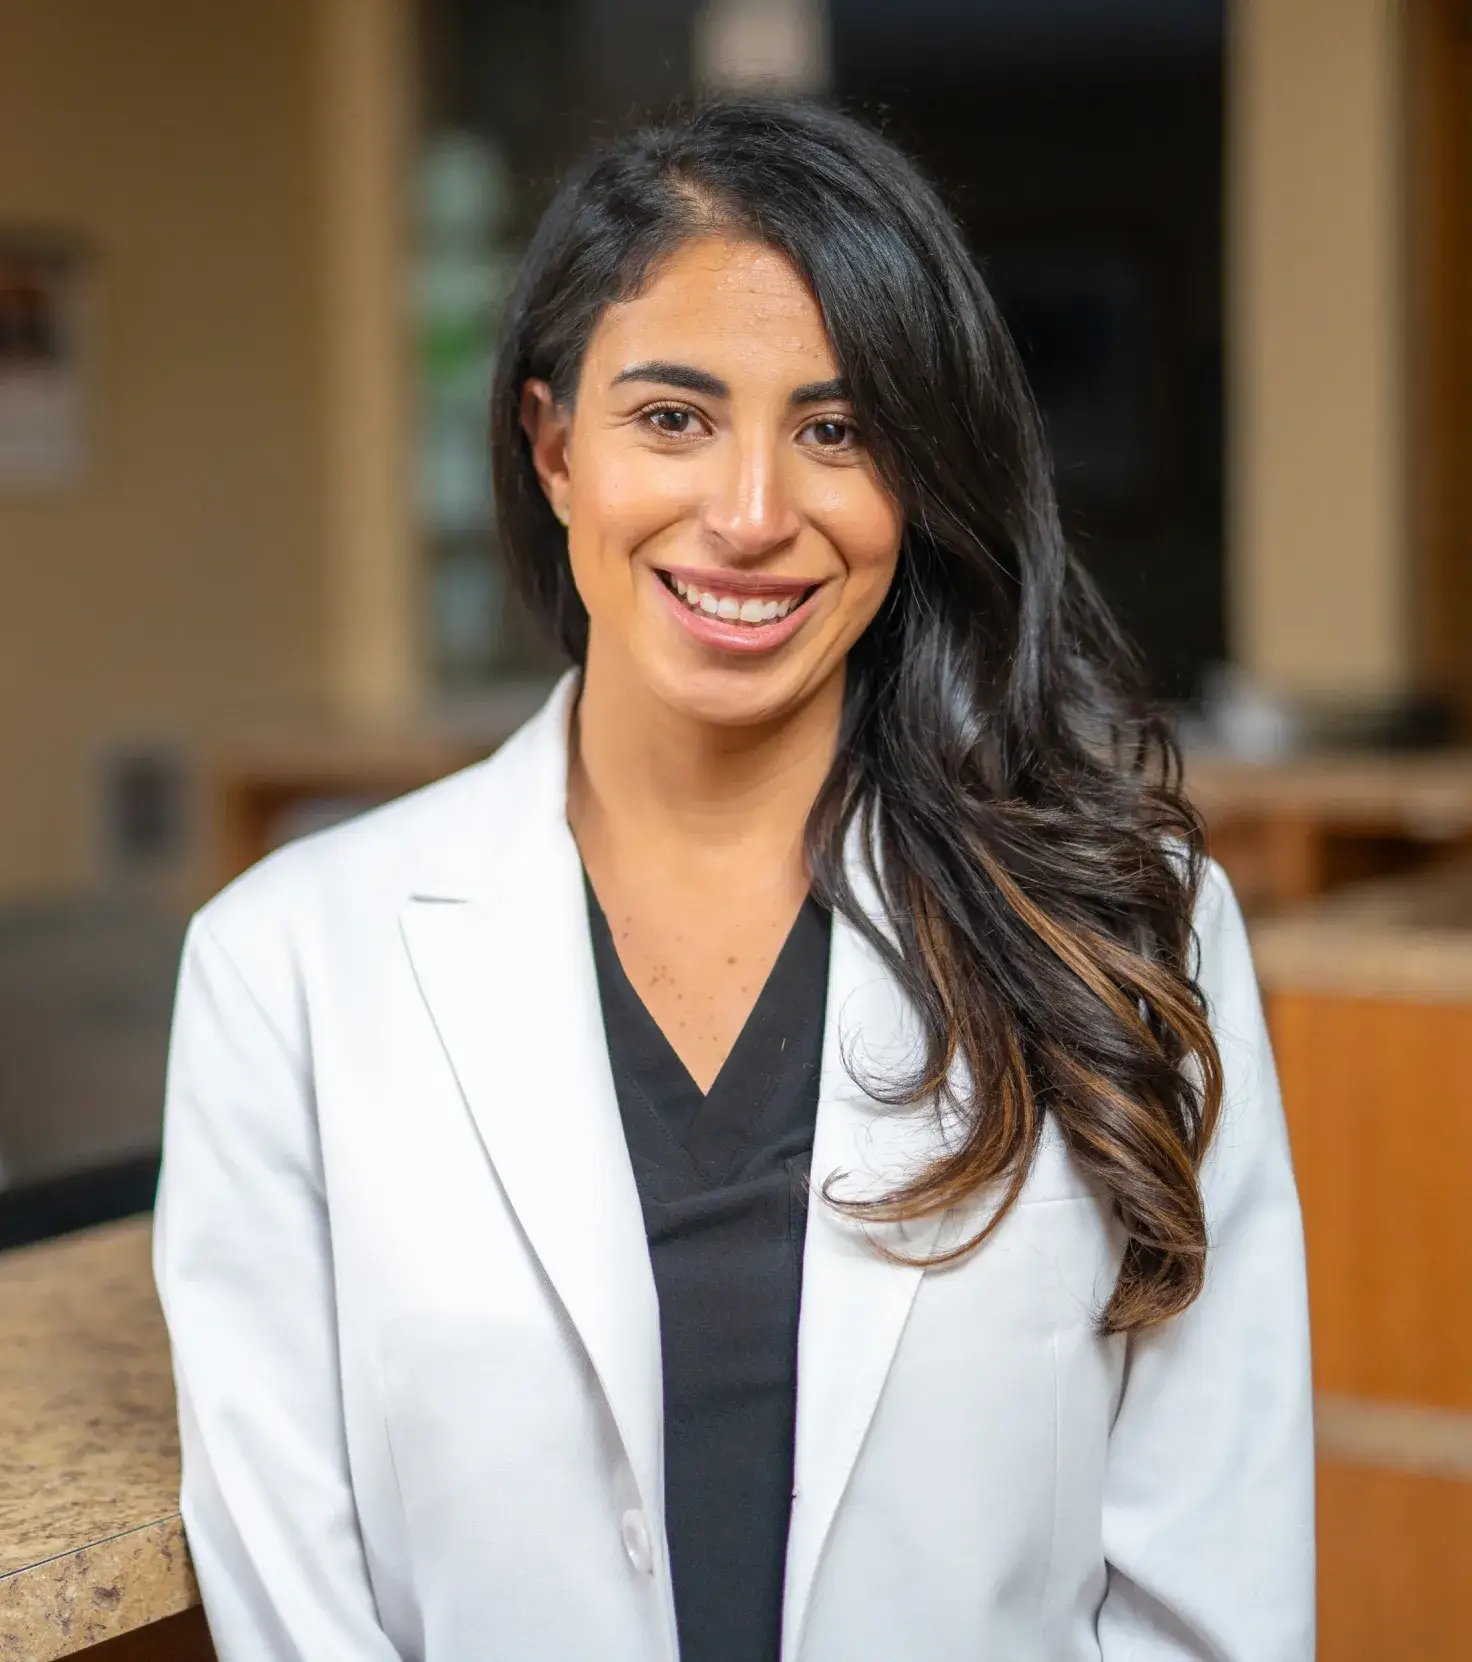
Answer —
783 1159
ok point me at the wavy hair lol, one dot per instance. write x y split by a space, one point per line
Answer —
1020 800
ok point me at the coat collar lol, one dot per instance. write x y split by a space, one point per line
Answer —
496 928
855 1299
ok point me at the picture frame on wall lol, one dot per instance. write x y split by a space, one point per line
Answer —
44 363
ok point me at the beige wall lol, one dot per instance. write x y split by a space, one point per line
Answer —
1319 587
179 590
365 56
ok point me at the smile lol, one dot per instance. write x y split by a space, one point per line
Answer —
735 611
730 607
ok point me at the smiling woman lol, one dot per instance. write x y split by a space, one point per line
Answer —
712 457
840 1202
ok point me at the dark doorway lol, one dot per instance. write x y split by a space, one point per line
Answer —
1080 143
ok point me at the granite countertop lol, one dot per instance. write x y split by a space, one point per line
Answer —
91 1545
1398 938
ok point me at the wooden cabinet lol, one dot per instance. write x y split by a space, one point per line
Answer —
1369 999
181 1638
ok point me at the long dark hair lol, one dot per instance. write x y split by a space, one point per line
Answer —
1020 801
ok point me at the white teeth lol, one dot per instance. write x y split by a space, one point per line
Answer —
730 608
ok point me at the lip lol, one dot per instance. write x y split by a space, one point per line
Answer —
716 581
734 637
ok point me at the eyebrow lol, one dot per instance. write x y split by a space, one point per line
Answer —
821 392
687 378
684 376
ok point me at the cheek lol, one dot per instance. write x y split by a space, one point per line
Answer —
620 501
864 524
625 496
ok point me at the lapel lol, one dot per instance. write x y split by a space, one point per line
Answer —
496 930
854 1301
497 933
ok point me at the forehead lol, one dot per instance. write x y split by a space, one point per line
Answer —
737 308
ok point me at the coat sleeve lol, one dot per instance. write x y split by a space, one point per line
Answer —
1209 1502
242 1256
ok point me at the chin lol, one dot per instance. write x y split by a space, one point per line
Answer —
732 694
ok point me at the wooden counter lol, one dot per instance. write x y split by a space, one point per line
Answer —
260 790
1287 831
1369 997
1399 939
91 1545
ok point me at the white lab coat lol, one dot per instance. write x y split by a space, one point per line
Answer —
416 1335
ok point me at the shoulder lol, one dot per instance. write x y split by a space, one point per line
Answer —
368 859
1249 1160
314 907
1221 957
336 888
1223 954
1216 901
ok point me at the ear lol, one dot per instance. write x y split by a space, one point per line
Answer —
546 427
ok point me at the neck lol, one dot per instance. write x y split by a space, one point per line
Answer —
692 794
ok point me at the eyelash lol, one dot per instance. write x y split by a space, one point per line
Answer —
647 414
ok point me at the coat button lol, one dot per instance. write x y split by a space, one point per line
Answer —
635 1531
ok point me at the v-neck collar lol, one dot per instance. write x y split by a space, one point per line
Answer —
495 927
711 1132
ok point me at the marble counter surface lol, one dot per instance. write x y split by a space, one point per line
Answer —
91 1545
1400 938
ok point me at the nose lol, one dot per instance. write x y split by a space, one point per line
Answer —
749 511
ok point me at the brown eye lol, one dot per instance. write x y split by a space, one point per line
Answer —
832 433
674 423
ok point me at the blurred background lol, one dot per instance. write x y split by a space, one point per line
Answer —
252 259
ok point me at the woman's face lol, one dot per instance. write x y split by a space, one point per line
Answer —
728 533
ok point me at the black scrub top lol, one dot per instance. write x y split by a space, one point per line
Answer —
722 1182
